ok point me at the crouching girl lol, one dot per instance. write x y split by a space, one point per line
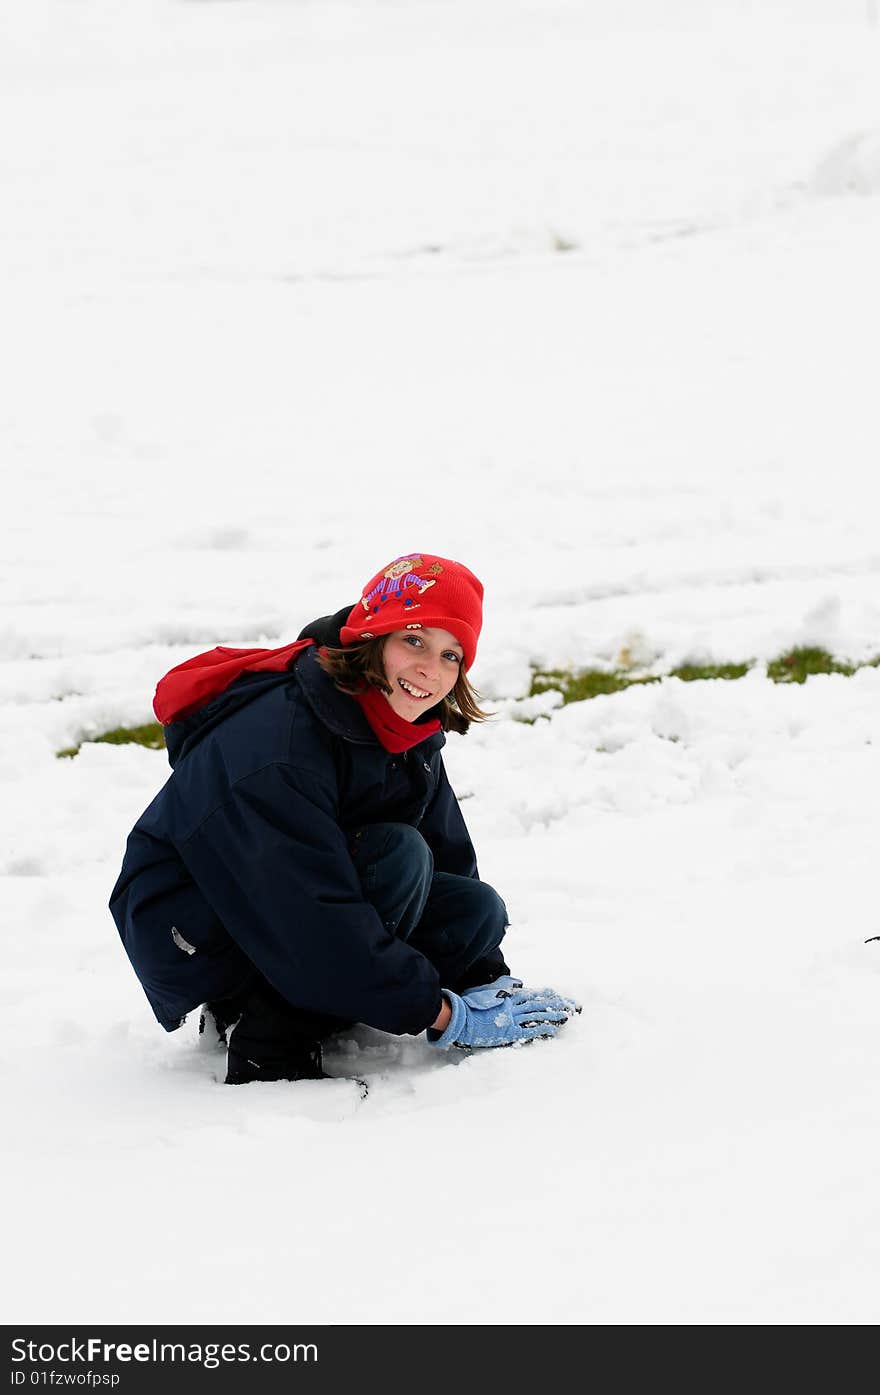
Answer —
307 865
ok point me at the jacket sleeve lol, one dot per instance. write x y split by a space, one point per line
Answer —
275 867
444 830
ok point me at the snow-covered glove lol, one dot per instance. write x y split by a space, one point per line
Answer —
546 995
496 1015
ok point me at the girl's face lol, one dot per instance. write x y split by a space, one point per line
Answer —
422 667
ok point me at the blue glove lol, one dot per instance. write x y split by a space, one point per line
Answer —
500 1014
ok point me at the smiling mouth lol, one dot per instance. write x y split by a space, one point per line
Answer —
418 693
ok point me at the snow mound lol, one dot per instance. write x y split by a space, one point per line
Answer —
851 167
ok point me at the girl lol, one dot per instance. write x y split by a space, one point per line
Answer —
307 865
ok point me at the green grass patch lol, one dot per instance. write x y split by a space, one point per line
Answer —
694 673
150 735
796 665
577 685
580 684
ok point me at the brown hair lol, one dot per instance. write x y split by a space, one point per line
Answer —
356 666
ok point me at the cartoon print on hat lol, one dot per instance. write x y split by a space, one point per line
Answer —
397 579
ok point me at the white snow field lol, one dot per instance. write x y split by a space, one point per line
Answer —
586 296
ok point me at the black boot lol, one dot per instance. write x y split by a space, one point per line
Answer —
305 1062
268 1043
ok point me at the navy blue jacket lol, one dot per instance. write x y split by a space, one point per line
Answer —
242 859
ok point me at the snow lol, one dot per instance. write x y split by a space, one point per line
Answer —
589 303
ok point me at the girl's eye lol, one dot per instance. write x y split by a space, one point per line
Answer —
418 644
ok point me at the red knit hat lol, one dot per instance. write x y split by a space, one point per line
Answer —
419 591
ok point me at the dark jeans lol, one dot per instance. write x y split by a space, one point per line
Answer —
458 923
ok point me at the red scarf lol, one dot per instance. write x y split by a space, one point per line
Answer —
395 733
191 685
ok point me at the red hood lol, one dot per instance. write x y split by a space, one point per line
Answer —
193 684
